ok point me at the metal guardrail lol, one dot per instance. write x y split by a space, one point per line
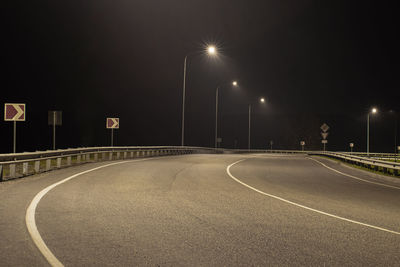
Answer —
371 154
28 163
371 163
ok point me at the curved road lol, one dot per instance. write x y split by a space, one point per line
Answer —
204 210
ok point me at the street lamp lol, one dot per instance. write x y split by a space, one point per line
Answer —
373 111
211 50
262 101
234 83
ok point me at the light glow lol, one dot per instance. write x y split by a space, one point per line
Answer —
234 83
212 50
262 100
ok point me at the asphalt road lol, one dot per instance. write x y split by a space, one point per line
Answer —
195 211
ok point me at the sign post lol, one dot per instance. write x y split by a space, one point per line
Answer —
351 147
54 118
302 143
324 127
219 141
112 123
14 112
271 143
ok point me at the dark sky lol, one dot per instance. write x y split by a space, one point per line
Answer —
314 61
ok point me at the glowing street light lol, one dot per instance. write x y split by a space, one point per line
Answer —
234 83
373 111
262 101
211 50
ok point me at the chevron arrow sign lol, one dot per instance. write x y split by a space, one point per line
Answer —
112 123
14 112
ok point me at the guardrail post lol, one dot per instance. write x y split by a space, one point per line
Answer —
25 168
78 159
58 163
125 154
12 170
96 156
48 164
37 166
110 156
131 154
118 155
69 161
1 173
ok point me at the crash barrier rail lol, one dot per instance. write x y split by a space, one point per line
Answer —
23 164
28 163
372 154
372 163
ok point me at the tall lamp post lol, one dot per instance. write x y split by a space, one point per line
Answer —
211 50
262 100
234 83
373 111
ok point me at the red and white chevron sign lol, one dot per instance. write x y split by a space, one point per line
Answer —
112 123
14 112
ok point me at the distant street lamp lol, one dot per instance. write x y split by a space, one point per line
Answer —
211 50
234 83
262 100
373 111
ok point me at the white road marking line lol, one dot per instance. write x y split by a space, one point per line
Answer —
302 206
354 177
30 213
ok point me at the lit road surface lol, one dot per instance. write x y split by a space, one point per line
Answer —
204 210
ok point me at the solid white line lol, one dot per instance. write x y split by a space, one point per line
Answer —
30 213
302 206
354 177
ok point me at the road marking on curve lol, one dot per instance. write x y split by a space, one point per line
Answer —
30 213
354 177
302 206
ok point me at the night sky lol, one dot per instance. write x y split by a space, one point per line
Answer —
313 61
